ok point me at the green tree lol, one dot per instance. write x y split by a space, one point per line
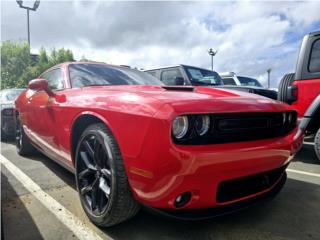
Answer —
15 59
18 68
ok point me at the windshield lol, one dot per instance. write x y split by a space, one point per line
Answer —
203 77
10 95
86 74
245 81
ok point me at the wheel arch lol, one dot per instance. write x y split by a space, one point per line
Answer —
79 124
310 121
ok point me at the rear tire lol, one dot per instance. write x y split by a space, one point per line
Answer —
101 179
23 144
285 82
317 144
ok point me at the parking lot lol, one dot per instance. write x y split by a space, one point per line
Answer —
293 214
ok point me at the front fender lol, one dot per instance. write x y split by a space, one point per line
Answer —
310 120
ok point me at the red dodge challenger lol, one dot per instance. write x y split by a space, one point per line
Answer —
187 152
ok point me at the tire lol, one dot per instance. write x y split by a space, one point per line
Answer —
103 185
23 145
285 82
4 136
317 144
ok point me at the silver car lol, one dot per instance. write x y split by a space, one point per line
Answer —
8 96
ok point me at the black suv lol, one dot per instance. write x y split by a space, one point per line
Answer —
189 75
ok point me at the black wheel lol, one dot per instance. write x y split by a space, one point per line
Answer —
317 144
23 144
285 82
101 180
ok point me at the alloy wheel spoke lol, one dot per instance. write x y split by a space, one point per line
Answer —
87 162
85 173
97 154
94 194
88 148
86 189
102 201
106 172
90 187
104 187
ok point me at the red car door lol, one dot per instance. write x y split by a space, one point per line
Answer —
44 117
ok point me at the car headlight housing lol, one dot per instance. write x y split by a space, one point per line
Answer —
180 127
288 118
202 124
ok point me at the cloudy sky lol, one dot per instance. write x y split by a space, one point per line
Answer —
250 36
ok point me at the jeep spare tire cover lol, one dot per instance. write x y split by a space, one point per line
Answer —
285 82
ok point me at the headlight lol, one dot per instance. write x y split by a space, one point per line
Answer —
290 118
180 127
7 112
202 124
284 118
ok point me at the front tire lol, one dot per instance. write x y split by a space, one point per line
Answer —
101 179
317 144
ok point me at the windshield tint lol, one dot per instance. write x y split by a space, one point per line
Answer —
245 81
10 95
82 75
203 77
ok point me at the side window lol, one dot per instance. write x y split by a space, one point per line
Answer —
153 73
314 63
55 79
228 81
170 76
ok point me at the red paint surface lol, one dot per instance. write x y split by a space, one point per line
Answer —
140 117
308 90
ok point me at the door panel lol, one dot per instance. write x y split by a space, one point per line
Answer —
45 116
308 90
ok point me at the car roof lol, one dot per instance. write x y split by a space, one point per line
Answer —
159 68
314 33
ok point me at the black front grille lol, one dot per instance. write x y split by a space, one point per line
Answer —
238 127
246 186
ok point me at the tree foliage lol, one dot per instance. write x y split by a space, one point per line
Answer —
18 67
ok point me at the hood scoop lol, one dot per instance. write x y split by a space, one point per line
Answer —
178 88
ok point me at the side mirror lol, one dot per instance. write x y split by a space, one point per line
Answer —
292 93
40 85
179 81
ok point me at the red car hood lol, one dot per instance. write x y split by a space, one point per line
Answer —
202 99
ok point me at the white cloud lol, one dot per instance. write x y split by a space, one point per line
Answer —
250 36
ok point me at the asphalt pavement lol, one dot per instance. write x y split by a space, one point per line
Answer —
39 201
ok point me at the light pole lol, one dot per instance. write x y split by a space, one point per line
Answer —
269 72
212 53
34 8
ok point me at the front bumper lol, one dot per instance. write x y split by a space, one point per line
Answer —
161 172
202 214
